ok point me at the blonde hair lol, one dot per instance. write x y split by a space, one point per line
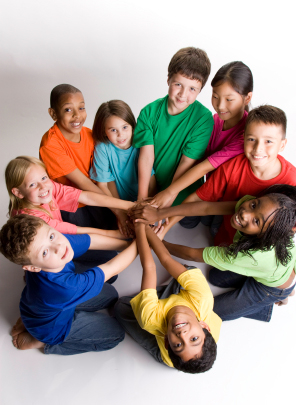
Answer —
15 174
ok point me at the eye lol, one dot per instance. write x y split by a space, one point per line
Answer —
67 109
253 204
113 130
194 339
257 222
177 345
214 96
178 84
125 127
82 108
192 89
268 141
32 185
44 253
251 139
51 237
229 99
44 178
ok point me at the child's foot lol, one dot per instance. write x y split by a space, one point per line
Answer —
25 341
286 300
18 328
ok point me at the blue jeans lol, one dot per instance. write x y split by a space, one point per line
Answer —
249 299
213 221
125 316
93 217
91 331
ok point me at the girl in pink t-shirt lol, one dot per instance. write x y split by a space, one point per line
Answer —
232 92
32 192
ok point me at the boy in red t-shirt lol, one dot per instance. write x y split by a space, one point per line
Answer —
249 173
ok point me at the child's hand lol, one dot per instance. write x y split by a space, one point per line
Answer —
163 199
122 225
144 213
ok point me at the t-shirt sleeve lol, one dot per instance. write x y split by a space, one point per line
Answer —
58 163
101 170
66 197
145 306
214 188
197 143
143 134
235 148
79 243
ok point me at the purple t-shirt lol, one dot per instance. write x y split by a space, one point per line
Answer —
224 145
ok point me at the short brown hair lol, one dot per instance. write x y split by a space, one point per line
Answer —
58 91
113 107
16 237
192 63
267 114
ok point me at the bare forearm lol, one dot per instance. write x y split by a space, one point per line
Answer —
185 252
149 278
102 200
101 242
104 232
82 182
145 164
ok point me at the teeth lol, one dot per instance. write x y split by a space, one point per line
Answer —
76 124
237 220
180 325
259 157
44 194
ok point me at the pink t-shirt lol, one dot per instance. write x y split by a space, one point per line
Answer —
224 145
63 198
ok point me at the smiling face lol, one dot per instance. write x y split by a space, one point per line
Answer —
119 132
229 104
70 114
185 333
36 187
50 251
262 143
182 93
254 216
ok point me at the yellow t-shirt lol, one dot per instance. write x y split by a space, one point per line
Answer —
151 313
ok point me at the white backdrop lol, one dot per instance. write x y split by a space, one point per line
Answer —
121 49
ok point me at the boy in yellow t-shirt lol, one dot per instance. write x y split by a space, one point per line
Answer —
177 326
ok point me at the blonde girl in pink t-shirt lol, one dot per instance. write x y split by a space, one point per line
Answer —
32 192
232 92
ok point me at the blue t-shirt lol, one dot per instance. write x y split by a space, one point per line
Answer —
48 301
119 165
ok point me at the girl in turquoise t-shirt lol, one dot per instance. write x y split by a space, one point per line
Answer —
115 165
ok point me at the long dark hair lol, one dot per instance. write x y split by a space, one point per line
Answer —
238 75
279 232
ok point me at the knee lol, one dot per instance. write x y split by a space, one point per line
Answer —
111 293
215 277
189 222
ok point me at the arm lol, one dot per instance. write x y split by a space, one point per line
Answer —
104 232
102 200
173 267
166 197
149 278
120 262
82 182
185 252
101 242
145 164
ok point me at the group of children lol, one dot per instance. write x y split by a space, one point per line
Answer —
95 193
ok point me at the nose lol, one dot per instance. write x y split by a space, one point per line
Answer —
76 112
221 104
182 91
258 146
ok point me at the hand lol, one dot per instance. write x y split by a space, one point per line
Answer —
163 199
144 213
122 225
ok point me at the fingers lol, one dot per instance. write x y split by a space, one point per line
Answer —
167 221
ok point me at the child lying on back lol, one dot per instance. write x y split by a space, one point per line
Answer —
177 326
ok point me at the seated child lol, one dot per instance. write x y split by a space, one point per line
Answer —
57 305
115 165
260 264
177 326
250 173
232 92
32 192
67 152
173 132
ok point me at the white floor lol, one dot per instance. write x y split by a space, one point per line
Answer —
254 364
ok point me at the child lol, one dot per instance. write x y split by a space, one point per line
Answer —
173 132
115 165
249 173
232 92
260 264
67 152
180 329
58 306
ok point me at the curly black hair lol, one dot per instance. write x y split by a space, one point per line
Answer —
278 235
203 363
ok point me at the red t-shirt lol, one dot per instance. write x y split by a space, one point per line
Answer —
234 179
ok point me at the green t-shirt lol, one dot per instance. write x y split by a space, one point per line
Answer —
187 133
263 267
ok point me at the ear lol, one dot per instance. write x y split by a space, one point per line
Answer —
32 268
166 342
248 98
283 145
53 114
204 325
15 191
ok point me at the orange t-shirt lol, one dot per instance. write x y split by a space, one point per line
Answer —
61 156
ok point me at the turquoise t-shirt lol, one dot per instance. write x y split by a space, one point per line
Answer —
187 133
119 165
263 267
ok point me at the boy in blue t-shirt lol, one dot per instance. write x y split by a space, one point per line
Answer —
57 305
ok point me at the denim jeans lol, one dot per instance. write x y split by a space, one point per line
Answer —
91 331
213 221
93 217
249 299
125 316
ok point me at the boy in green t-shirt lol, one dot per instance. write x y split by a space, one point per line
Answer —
173 132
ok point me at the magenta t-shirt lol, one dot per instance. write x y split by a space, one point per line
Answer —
63 198
224 145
